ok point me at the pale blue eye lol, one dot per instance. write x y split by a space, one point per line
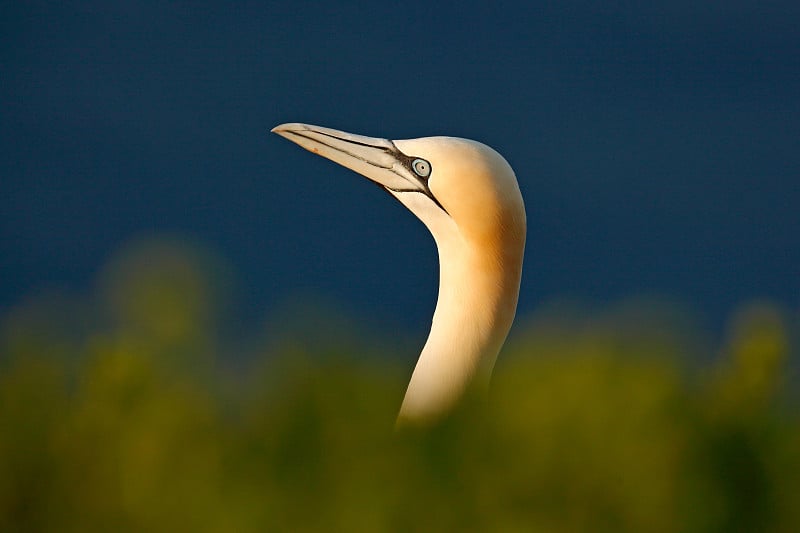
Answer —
421 167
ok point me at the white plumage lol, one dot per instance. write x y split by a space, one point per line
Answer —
468 197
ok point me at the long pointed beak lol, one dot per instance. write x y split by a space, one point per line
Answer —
377 159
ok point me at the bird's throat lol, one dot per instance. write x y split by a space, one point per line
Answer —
477 301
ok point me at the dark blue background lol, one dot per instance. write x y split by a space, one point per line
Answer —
657 148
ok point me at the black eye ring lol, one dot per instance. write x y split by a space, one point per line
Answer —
421 167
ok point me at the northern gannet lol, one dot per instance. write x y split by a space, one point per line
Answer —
468 197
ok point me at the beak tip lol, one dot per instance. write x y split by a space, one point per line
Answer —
288 127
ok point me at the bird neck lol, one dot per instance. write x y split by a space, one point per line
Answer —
478 291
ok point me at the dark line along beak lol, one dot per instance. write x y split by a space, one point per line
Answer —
376 159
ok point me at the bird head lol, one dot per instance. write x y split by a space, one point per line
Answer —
455 186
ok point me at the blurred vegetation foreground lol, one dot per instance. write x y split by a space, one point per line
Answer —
129 411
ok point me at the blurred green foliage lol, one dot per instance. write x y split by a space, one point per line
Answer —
122 413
